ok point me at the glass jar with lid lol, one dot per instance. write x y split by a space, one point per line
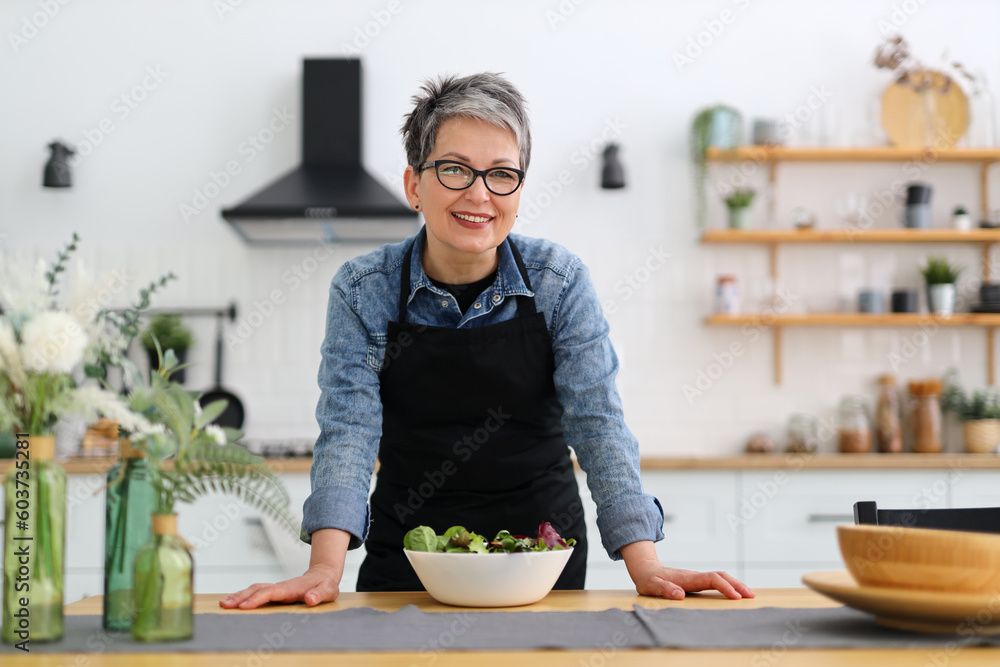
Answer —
926 416
888 428
727 295
803 434
853 426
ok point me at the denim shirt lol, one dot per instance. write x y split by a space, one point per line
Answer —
364 297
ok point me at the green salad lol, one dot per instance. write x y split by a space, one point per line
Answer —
459 540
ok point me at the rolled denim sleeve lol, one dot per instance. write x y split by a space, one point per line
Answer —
349 414
593 420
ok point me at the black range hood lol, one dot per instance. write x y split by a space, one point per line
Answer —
329 197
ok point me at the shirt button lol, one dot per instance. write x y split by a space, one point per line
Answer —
444 304
496 298
477 305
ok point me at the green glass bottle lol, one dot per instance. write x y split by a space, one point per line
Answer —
164 578
34 544
129 507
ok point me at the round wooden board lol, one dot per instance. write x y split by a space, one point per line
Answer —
905 111
909 609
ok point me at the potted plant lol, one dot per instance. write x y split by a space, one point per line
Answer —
960 219
203 459
940 276
720 126
981 422
980 416
738 202
52 340
169 330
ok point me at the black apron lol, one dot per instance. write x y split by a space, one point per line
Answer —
471 436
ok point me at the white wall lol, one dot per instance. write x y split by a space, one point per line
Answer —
586 67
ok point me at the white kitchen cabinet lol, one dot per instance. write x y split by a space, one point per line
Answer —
696 536
696 507
85 521
607 575
82 583
974 488
767 527
231 579
225 533
84 536
788 517
788 575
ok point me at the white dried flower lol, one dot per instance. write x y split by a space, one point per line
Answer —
10 358
52 342
152 429
217 433
23 288
92 402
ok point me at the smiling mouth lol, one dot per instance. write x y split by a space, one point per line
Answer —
473 218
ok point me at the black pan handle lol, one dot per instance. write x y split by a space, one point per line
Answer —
218 349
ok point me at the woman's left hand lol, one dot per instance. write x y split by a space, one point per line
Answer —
653 578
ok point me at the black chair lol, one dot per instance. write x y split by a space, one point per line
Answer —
975 519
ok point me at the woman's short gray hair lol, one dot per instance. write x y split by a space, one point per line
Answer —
486 97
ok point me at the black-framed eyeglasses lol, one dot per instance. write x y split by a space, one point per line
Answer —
458 176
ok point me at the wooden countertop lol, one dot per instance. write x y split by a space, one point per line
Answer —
555 601
824 462
740 462
86 466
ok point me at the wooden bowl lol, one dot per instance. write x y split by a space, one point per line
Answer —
921 559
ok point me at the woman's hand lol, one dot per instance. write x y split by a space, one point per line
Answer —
652 578
320 583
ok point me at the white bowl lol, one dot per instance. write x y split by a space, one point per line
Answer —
488 580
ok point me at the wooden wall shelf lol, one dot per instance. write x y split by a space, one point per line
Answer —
858 320
772 238
772 156
982 158
777 322
848 235
858 154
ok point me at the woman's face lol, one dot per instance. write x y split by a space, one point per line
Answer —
466 226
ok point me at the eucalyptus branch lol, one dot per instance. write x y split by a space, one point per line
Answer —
127 321
52 275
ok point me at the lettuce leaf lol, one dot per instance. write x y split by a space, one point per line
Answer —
548 535
420 538
459 540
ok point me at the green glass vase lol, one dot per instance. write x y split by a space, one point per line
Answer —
164 577
130 503
34 543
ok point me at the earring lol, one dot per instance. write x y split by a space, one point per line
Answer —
416 207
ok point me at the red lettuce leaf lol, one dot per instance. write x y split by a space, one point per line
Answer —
548 535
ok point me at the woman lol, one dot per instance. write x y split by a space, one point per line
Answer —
468 359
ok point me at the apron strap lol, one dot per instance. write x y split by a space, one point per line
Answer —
404 278
525 305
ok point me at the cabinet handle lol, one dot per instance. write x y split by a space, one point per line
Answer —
830 518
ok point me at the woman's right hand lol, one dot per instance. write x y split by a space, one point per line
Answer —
320 583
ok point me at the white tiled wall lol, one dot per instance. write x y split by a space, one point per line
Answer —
605 62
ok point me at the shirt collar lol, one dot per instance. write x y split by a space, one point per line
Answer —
508 281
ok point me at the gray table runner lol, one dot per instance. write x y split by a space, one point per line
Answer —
409 629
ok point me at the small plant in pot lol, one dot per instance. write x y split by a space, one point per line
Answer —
980 415
719 126
170 332
738 202
940 276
